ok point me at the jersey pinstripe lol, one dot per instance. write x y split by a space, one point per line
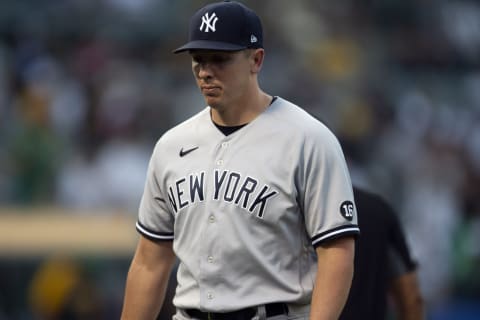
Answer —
244 211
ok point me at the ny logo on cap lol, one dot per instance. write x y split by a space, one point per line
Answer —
209 22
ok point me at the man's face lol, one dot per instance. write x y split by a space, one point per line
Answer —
222 76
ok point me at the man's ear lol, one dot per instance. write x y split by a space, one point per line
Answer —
256 60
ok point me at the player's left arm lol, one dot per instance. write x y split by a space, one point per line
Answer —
333 279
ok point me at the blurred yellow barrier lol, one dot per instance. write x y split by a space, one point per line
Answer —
39 231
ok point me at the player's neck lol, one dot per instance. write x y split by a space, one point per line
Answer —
242 111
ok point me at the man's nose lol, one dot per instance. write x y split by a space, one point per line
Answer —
205 70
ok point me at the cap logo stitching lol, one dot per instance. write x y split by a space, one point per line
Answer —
209 22
253 39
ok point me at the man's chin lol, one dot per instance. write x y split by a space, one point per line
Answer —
213 102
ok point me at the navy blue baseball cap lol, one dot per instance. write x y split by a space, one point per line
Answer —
225 26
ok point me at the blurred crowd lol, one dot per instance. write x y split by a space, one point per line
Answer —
87 87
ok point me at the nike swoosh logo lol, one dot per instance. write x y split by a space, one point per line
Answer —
183 153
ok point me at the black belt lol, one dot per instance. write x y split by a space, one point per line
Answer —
271 309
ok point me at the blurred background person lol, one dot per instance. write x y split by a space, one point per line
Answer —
386 274
61 289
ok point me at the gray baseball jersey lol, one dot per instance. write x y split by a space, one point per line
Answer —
246 210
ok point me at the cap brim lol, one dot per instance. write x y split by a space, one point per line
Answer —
209 45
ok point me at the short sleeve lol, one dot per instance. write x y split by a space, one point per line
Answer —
327 197
399 257
155 219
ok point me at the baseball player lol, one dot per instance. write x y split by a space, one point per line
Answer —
252 195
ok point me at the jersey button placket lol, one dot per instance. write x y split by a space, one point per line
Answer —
223 147
208 264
